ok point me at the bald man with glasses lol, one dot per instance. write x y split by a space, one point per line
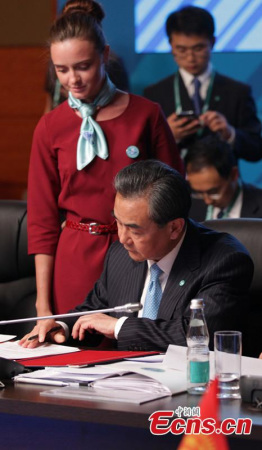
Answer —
216 188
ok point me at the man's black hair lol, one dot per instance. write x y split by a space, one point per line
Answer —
191 20
211 152
165 189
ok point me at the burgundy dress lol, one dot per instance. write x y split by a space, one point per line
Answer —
56 185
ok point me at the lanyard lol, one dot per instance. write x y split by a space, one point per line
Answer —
210 208
178 104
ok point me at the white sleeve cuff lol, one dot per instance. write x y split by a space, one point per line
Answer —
65 327
118 326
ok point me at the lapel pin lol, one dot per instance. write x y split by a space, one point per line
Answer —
181 283
132 151
217 98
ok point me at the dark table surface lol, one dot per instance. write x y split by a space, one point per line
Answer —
25 400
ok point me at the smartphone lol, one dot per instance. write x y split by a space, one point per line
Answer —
190 115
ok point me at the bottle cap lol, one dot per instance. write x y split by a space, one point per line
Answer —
197 303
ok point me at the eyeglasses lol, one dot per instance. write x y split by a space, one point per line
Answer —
213 194
197 50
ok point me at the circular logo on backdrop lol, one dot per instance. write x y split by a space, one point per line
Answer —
132 151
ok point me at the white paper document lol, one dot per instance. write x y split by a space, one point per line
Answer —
175 358
147 359
106 395
65 375
174 381
12 350
6 337
130 382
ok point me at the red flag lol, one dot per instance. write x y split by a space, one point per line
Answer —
209 409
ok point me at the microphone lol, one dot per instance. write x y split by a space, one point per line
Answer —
128 308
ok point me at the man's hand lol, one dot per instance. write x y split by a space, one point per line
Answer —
100 323
39 334
182 127
217 123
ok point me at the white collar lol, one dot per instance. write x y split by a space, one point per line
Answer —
235 211
168 260
188 77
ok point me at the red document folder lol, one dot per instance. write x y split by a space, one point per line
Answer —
82 358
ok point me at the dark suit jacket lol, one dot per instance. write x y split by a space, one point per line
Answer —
213 266
251 207
229 97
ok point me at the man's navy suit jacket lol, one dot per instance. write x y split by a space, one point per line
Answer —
210 265
251 206
231 98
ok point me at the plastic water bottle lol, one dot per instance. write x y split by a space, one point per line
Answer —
197 349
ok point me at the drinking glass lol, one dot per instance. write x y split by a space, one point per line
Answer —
228 351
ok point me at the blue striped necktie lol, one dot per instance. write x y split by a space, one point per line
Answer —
154 293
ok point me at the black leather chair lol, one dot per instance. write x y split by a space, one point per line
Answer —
17 273
249 232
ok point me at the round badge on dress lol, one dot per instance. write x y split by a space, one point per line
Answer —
132 151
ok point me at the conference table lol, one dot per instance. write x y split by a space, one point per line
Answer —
32 421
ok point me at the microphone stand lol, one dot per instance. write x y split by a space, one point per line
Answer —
128 308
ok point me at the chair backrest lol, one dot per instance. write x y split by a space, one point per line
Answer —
249 233
17 273
15 263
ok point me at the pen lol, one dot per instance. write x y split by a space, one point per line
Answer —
41 381
35 336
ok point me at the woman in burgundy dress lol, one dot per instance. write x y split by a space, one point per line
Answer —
77 150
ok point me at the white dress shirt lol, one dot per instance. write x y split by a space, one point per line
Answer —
235 211
204 79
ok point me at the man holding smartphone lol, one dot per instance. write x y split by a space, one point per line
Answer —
197 100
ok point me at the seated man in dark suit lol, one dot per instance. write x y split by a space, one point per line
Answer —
217 190
188 261
220 104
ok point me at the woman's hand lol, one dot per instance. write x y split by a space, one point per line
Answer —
39 334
